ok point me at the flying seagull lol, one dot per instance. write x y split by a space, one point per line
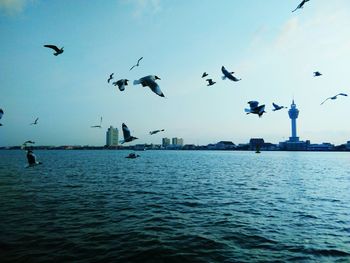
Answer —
301 5
210 82
317 74
121 84
277 107
35 122
150 81
110 77
255 108
228 75
137 64
334 97
126 134
204 74
156 131
98 126
58 50
1 113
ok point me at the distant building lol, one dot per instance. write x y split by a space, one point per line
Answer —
347 146
165 142
177 141
222 145
256 143
112 136
321 147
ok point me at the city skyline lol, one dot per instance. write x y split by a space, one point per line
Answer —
275 54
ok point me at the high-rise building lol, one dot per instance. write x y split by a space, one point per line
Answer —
177 141
165 142
112 136
293 115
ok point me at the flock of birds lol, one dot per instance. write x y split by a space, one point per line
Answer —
150 81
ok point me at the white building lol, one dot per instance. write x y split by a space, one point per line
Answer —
112 136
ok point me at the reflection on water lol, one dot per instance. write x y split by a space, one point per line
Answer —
175 206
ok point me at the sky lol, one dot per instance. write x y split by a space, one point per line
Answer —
273 50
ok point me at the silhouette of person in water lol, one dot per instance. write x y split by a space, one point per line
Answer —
31 157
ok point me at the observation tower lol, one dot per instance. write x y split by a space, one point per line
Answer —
293 115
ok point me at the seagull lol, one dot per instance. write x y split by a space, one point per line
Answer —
26 142
24 145
255 108
150 81
210 82
317 74
121 84
126 134
1 113
58 51
110 77
301 5
228 75
137 64
156 131
277 107
35 122
204 74
98 126
334 97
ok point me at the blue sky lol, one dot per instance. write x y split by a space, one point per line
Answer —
273 50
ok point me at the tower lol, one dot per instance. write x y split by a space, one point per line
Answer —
293 115
112 136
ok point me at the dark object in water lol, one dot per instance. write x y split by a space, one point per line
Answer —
132 156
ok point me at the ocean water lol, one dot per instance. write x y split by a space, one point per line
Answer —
175 206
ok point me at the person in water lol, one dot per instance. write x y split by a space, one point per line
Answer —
31 157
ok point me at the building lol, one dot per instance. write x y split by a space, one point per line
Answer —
256 143
222 145
165 142
347 145
177 141
294 144
112 136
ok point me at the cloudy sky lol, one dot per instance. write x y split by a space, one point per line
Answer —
273 50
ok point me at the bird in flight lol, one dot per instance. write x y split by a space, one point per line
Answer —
255 108
121 84
277 107
110 77
210 82
56 49
1 113
204 74
156 131
301 5
98 126
317 74
150 81
228 75
35 122
334 97
126 134
137 64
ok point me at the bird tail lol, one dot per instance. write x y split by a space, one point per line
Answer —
136 82
223 77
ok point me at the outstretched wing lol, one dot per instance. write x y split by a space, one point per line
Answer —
275 105
342 94
325 100
1 113
139 60
53 47
126 131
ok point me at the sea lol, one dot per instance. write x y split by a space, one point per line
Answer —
175 206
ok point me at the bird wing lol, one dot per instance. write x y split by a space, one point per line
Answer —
342 94
325 100
36 120
275 105
132 67
53 47
126 131
1 113
139 60
156 89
